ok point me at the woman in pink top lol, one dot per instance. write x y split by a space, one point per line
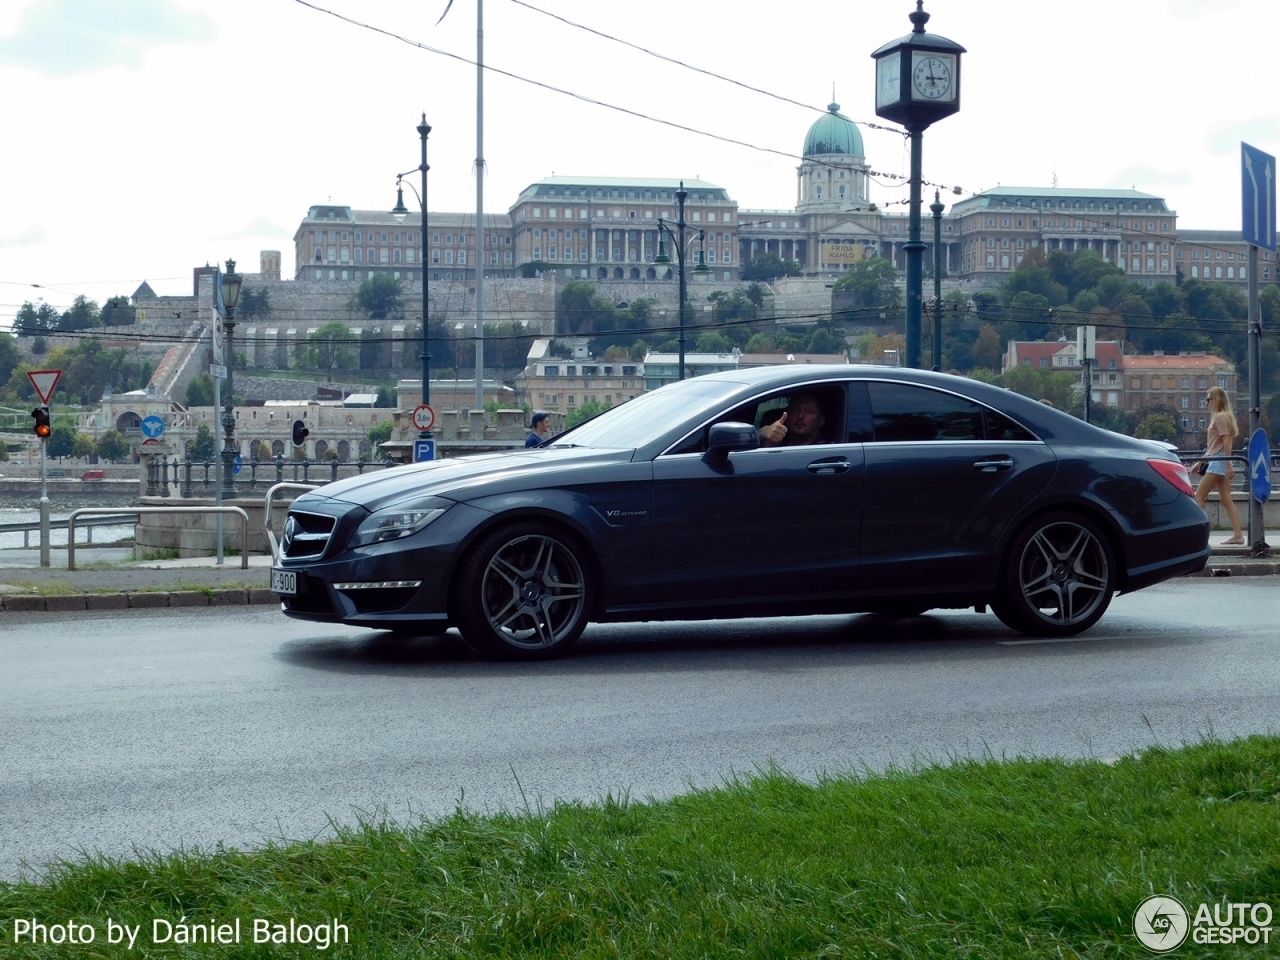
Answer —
1218 473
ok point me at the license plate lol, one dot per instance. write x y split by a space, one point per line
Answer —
284 581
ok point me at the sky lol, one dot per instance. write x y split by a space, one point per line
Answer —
143 138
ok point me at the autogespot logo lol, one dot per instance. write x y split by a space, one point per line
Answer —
1160 923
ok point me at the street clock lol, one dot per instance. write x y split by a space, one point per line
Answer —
918 76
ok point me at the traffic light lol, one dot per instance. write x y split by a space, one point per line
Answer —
41 428
300 433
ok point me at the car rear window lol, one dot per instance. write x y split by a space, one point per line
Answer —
906 412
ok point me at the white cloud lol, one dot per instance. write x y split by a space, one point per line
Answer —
29 237
1140 176
66 37
1226 137
257 229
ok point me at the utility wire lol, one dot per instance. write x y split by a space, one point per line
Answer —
695 69
595 102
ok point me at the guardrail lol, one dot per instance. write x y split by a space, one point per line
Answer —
266 511
26 527
163 472
99 511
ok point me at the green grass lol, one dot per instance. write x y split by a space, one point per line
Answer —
55 588
1031 858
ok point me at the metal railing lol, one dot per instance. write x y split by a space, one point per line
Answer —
26 527
266 512
195 478
99 511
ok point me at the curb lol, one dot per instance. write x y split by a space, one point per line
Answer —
1242 568
75 602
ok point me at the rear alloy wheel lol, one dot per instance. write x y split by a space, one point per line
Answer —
1059 577
524 593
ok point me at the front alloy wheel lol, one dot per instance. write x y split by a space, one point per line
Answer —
524 593
1059 577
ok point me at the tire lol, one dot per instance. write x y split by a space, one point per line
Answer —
524 592
1058 578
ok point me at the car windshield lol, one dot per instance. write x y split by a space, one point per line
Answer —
649 416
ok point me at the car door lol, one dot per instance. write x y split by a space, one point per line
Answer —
944 475
770 524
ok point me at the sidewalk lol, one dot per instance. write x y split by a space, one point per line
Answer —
109 578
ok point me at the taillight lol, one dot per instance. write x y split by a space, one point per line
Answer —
1175 473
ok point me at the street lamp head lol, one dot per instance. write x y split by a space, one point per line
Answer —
231 282
399 211
702 267
662 258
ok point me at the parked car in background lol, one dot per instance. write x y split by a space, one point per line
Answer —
920 490
94 475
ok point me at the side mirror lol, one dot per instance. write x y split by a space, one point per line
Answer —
724 438
300 433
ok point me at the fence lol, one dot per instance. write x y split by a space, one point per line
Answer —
144 511
200 478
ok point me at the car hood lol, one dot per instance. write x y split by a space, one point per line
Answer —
464 478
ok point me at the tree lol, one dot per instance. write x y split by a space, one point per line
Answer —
379 297
713 342
756 294
8 356
585 412
386 399
372 349
82 446
822 340
769 266
202 446
200 391
1045 383
61 442
1158 426
31 319
986 351
329 347
638 350
112 446
118 312
759 343
254 304
381 433
81 315
867 285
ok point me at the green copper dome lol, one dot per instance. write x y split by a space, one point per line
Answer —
833 133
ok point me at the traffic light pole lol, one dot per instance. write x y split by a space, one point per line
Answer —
44 507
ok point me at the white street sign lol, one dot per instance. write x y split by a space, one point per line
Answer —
217 371
44 381
424 418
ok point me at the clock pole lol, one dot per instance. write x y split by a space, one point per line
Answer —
917 84
914 249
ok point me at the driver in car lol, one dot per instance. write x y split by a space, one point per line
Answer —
800 424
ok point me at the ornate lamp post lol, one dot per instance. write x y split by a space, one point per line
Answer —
400 212
681 248
917 84
231 282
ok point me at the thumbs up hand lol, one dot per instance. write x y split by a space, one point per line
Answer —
774 433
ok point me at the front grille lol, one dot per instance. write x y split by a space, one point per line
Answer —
306 534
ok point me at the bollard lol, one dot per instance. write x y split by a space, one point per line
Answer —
279 468
333 471
185 490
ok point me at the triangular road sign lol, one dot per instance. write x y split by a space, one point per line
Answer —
44 381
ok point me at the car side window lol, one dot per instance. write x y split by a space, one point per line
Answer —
904 411
1000 427
768 409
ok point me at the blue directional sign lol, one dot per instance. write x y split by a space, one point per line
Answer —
424 450
1260 466
236 464
152 427
1258 176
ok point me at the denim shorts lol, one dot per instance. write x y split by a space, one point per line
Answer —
1216 467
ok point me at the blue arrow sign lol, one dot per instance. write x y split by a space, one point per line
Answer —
1260 466
152 427
236 464
1258 182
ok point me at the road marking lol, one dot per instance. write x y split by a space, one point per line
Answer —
1020 643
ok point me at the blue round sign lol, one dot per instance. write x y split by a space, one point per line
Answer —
235 466
152 427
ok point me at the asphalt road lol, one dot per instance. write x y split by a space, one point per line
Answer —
160 729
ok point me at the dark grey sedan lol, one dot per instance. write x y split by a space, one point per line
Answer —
776 491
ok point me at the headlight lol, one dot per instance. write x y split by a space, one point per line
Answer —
392 523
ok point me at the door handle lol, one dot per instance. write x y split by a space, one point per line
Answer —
830 466
994 466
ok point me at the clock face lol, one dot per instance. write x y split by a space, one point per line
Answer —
932 77
888 80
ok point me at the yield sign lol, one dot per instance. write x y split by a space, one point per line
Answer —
44 381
